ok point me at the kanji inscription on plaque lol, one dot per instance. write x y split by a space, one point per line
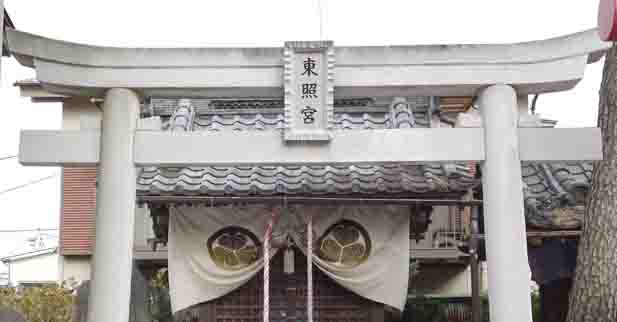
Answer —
309 90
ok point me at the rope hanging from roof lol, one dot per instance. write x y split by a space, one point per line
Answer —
274 217
309 270
267 237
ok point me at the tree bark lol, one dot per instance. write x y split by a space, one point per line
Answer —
594 293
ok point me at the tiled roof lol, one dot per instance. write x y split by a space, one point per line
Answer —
28 254
354 179
555 192
266 115
167 106
550 190
260 115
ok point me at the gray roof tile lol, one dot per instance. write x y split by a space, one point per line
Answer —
266 115
553 193
304 180
549 189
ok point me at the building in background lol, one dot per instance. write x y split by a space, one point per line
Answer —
33 268
4 279
435 247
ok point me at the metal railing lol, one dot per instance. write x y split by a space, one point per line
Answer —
449 238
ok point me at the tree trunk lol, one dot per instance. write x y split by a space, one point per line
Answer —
594 293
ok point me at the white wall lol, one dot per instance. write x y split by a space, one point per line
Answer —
78 113
445 281
42 268
76 268
442 281
143 228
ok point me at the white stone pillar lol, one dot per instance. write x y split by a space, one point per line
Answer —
115 210
504 221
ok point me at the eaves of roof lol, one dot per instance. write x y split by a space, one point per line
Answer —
30 254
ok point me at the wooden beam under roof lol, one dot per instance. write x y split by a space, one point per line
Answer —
549 234
457 104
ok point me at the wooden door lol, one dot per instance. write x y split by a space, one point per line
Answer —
332 303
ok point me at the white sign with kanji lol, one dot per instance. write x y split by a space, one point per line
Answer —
309 90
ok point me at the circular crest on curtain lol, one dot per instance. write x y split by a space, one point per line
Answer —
345 244
234 248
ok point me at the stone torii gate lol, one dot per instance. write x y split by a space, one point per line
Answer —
500 76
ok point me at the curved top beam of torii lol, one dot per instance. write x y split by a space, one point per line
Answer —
443 70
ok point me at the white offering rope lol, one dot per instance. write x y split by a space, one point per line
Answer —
268 235
309 246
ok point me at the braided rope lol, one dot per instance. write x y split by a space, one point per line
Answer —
309 247
268 235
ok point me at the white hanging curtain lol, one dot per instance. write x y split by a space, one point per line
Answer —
364 249
213 251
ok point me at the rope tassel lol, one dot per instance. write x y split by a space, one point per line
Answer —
289 261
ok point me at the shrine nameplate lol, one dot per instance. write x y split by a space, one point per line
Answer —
309 90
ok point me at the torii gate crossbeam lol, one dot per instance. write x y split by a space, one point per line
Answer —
156 148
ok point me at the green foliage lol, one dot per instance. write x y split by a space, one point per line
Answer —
425 309
160 279
536 305
40 304
159 304
485 310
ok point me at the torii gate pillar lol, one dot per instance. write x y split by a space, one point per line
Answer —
506 242
115 210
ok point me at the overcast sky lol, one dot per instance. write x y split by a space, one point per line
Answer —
262 23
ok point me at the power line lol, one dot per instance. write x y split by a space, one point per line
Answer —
8 157
27 230
28 184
